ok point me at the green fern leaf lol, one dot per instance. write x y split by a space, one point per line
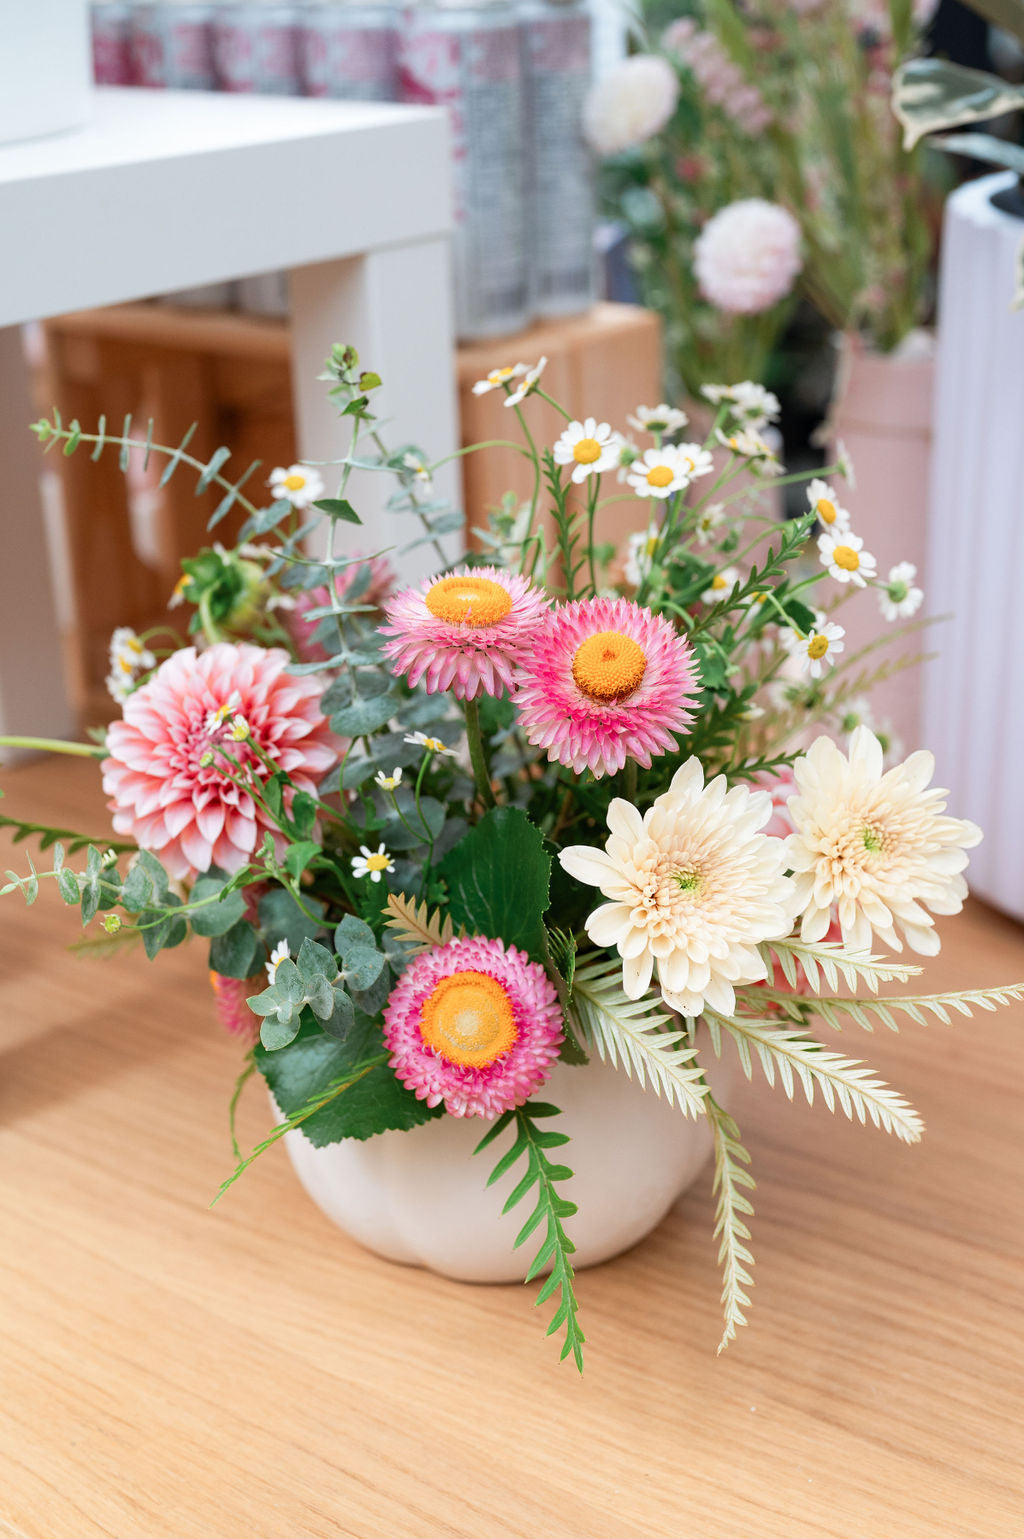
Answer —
732 1210
856 968
864 1012
631 1034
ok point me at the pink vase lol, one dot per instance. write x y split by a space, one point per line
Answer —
882 415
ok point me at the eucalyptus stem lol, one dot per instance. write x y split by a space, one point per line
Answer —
477 753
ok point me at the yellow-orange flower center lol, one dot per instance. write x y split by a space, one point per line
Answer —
377 862
817 647
294 483
586 450
609 666
718 582
825 510
660 475
846 557
468 1019
468 601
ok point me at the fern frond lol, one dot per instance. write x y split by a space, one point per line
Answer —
415 925
556 1247
864 1012
792 1054
731 1212
631 1034
855 967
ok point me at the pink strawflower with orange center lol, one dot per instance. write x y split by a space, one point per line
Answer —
606 680
465 631
474 1024
233 1013
373 580
187 738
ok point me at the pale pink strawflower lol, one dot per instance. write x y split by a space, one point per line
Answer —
606 680
474 1024
165 770
233 1013
464 631
373 580
747 256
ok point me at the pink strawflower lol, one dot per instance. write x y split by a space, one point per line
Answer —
233 1013
464 631
377 587
747 256
606 680
188 812
780 785
474 1024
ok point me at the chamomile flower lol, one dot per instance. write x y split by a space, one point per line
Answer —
298 485
589 447
707 521
220 715
845 464
853 713
372 863
658 419
281 953
824 503
749 444
749 403
129 653
499 377
721 585
389 782
661 472
844 558
899 599
640 548
527 384
628 453
816 650
179 591
431 744
417 468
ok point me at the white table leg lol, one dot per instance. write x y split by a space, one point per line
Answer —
394 305
33 695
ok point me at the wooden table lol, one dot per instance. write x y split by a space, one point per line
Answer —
244 1372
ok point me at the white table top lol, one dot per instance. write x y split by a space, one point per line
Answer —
168 189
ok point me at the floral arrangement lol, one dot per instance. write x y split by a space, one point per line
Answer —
536 807
752 153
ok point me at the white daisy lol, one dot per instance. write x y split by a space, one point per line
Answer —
177 597
874 845
818 649
389 782
822 499
281 953
372 863
845 464
628 452
218 718
640 550
129 653
721 585
899 599
694 888
119 687
589 447
527 384
431 744
853 713
750 403
661 419
845 558
707 521
419 471
499 377
660 472
298 485
749 444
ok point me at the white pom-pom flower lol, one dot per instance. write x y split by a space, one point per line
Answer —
630 104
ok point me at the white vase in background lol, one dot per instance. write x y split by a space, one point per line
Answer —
46 56
421 1197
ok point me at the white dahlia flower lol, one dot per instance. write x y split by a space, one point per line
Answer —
747 256
874 845
630 104
693 888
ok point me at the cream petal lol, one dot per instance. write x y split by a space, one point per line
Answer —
636 975
625 821
608 924
587 864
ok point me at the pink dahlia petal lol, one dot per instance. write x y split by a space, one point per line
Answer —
605 680
190 813
474 1024
465 631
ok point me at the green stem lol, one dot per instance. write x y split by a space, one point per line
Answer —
54 745
629 778
477 753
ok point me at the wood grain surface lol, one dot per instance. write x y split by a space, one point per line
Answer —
172 1372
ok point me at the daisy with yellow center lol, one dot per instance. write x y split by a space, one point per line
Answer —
431 744
474 1024
873 847
464 631
372 863
298 485
660 472
749 445
499 377
640 550
844 557
389 782
721 585
823 502
590 447
527 385
817 650
661 420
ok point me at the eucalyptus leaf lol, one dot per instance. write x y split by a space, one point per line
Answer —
237 953
217 918
364 716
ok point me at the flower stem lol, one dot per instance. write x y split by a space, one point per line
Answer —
54 745
477 753
629 781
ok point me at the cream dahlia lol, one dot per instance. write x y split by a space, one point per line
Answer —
605 680
874 846
464 631
747 256
165 770
693 886
474 1024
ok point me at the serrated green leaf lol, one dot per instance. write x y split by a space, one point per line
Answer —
498 880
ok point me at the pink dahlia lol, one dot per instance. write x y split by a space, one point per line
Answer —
474 1024
747 256
373 579
165 771
606 680
232 1011
464 631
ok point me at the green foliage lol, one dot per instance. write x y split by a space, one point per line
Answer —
551 1208
837 1010
857 969
224 908
281 918
498 880
732 1181
237 953
47 836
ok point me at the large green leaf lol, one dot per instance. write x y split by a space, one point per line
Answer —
313 1062
498 880
998 152
931 94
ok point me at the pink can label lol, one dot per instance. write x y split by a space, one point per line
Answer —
354 63
112 47
260 56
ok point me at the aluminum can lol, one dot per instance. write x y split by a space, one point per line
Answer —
556 42
172 45
349 51
467 58
111 43
256 48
